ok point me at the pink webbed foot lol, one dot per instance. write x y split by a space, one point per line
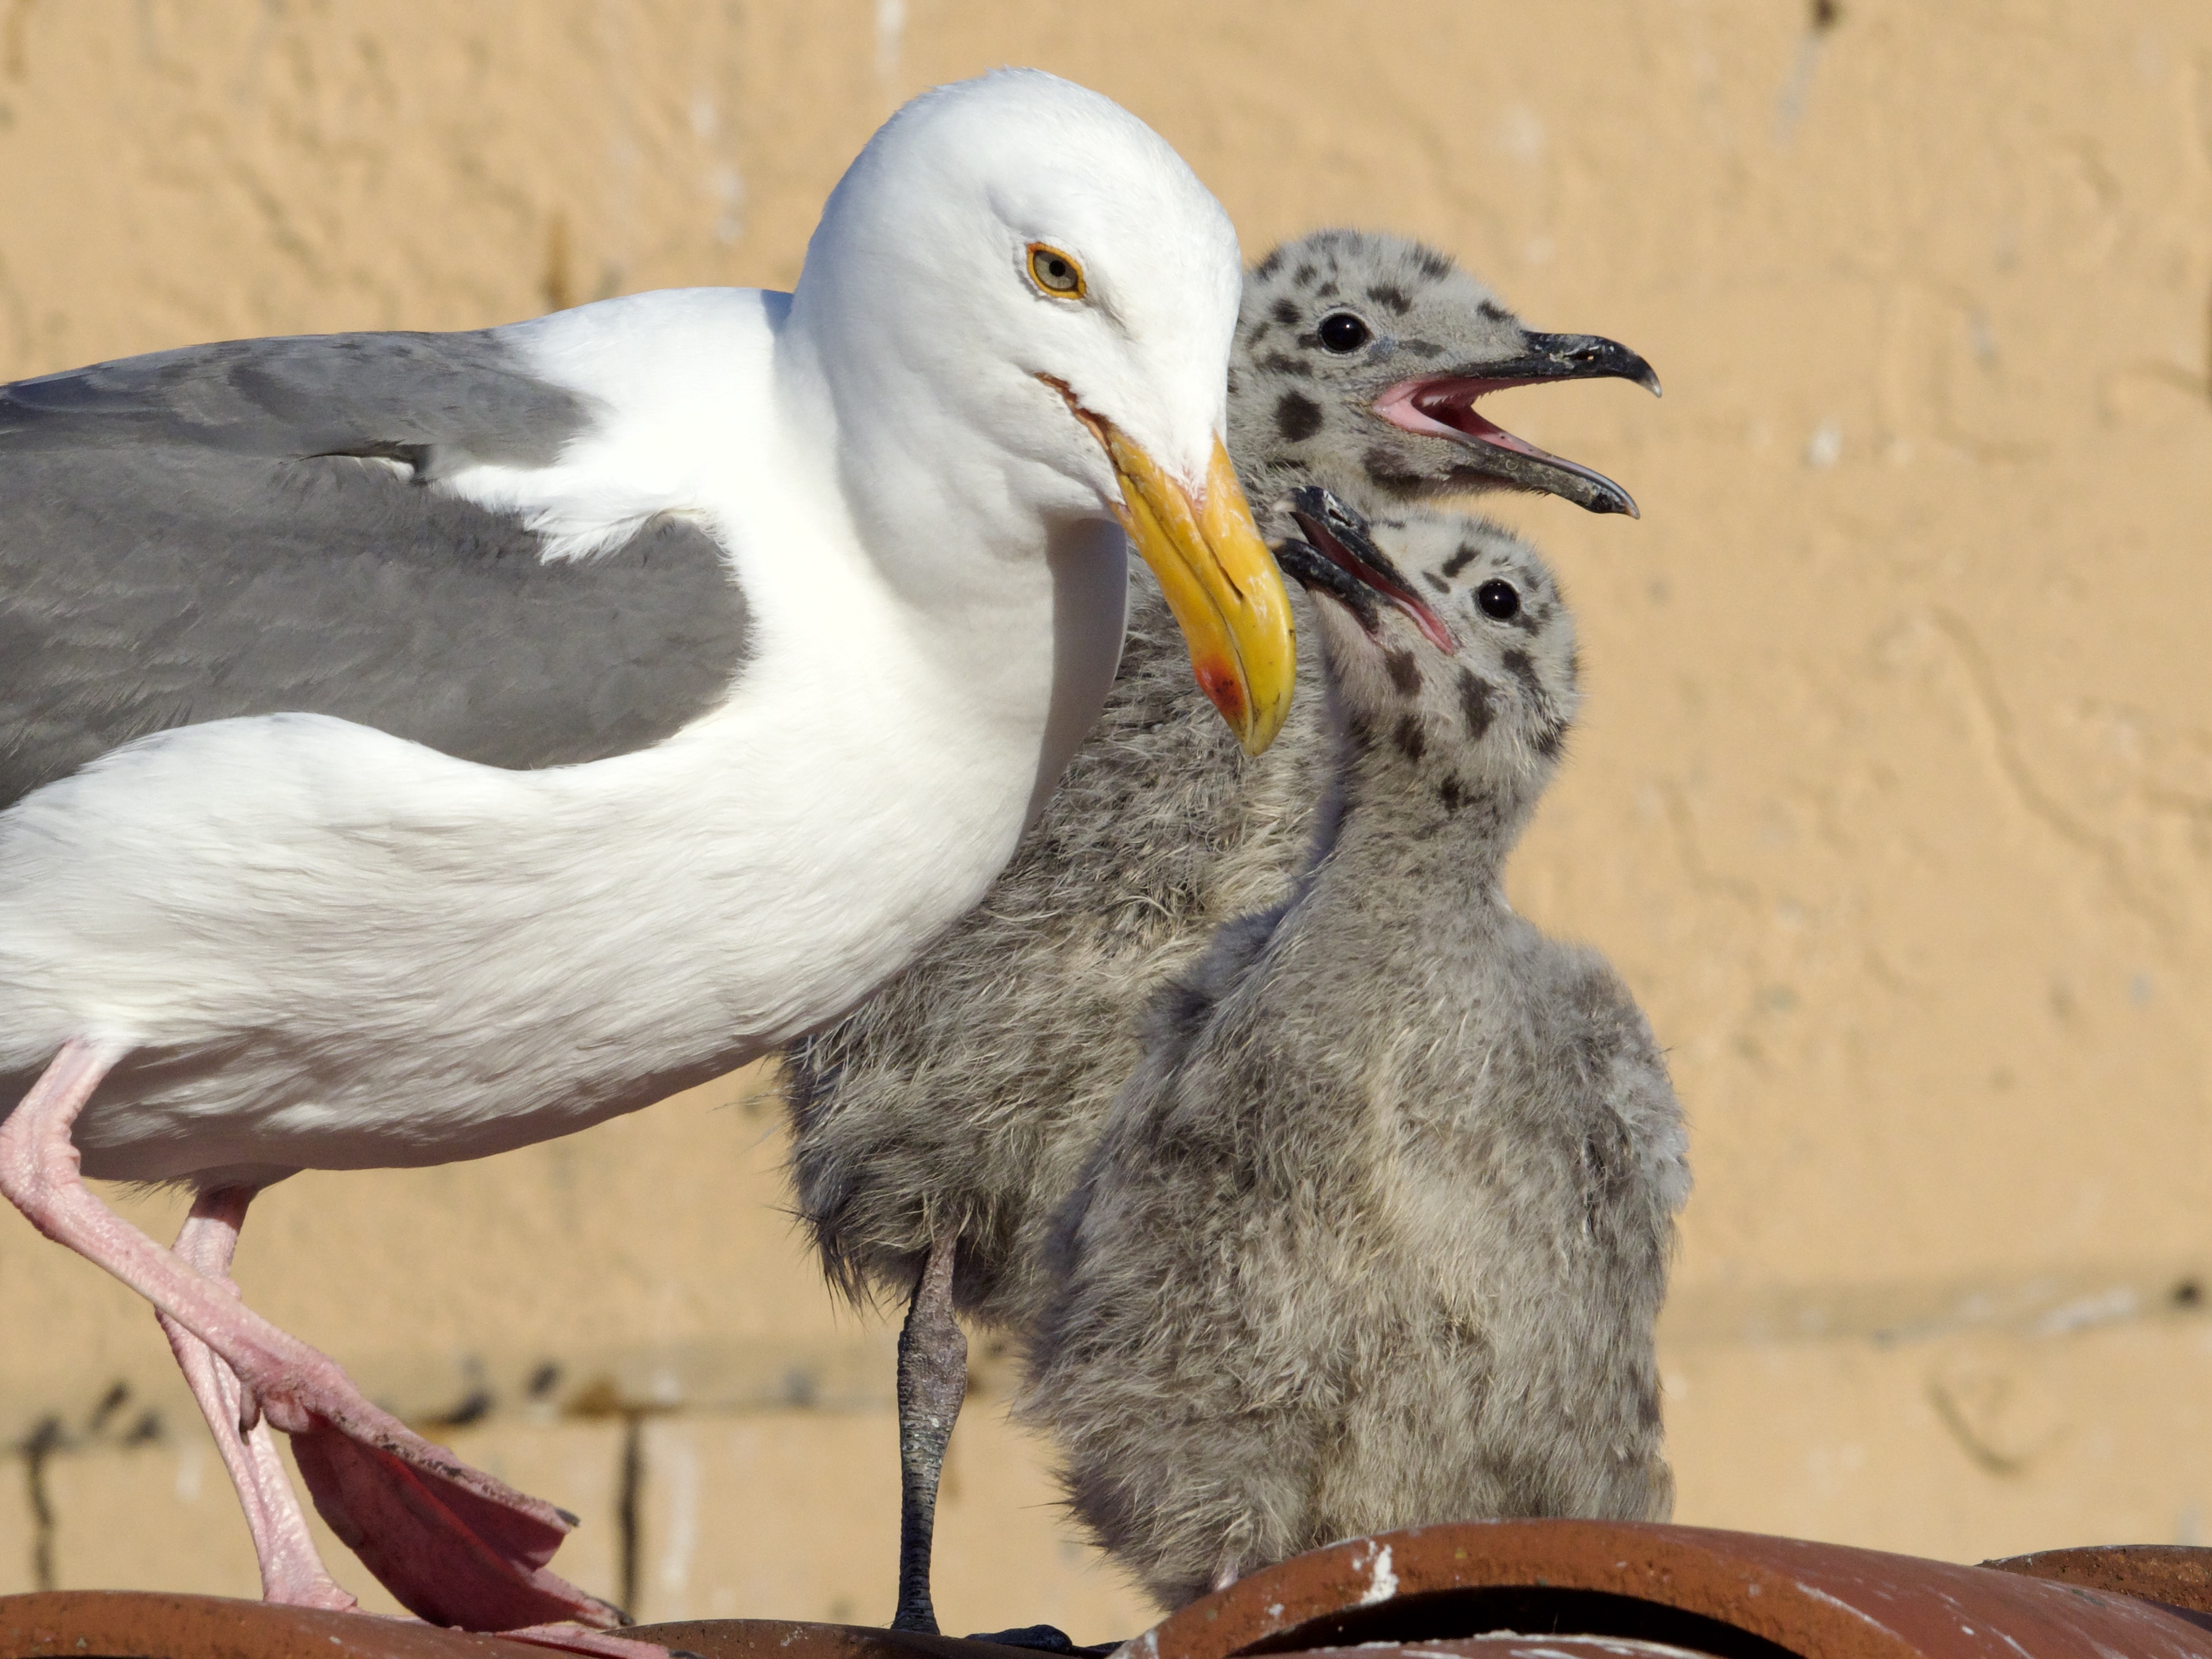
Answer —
455 1546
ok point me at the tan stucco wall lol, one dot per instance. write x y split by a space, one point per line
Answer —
1893 797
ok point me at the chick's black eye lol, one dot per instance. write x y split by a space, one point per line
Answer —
1342 332
1498 599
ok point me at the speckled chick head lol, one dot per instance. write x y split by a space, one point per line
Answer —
1358 360
1451 654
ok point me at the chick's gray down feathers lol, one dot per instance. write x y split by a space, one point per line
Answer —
1377 1233
961 1099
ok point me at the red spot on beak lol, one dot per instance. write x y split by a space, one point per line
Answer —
1219 681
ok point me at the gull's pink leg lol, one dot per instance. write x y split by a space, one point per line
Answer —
453 1543
292 1572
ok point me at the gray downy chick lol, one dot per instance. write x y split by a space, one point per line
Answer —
1377 1232
953 1109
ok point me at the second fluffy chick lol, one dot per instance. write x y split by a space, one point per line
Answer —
1377 1231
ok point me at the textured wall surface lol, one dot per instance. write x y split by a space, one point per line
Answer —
1892 800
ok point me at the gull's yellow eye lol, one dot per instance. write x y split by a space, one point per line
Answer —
1054 272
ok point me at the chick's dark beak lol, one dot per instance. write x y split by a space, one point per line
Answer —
1572 358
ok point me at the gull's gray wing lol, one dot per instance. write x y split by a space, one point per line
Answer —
251 528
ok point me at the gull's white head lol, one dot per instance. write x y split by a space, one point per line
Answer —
1022 301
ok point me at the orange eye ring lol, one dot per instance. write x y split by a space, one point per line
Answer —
1057 275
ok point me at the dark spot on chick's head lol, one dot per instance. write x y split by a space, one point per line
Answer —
1475 700
1297 417
1391 295
1405 672
1412 739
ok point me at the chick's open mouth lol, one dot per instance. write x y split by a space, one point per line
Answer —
1443 405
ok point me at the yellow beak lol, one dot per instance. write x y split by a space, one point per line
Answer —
1220 581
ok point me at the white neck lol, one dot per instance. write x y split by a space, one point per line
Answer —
1019 647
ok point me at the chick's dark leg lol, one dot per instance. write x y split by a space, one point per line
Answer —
933 1381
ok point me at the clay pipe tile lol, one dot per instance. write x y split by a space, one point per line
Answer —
1737 1595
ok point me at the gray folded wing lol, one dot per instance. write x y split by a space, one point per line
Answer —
249 528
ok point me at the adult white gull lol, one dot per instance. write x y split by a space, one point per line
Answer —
413 747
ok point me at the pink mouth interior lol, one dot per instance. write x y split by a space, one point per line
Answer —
1445 407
